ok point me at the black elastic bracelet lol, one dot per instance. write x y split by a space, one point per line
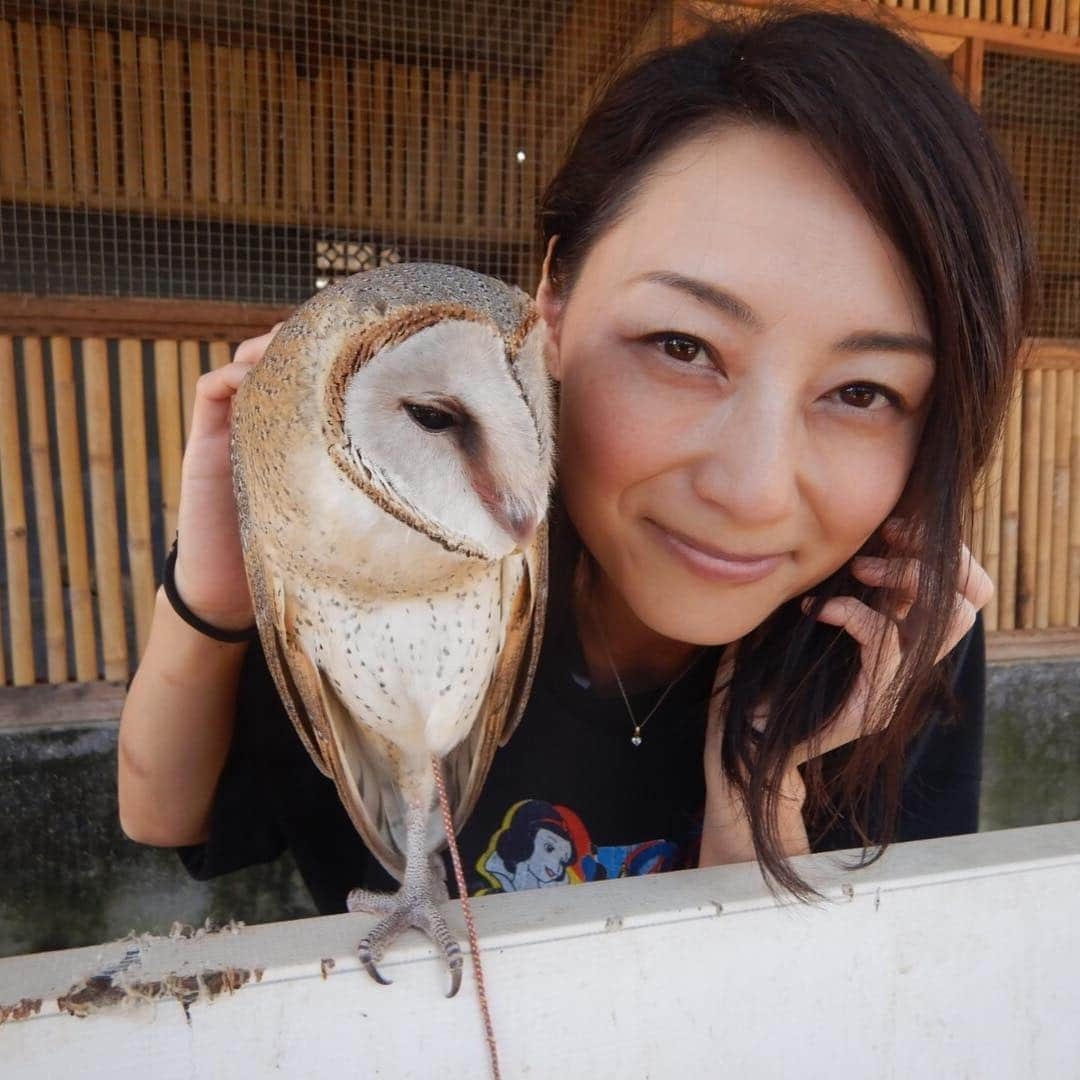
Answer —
193 620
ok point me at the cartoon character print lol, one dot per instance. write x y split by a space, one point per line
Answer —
540 844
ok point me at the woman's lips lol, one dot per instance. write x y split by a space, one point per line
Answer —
712 563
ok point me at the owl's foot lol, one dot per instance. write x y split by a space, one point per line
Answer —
409 906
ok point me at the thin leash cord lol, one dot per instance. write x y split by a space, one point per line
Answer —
470 926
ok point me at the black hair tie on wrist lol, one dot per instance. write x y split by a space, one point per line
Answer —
189 616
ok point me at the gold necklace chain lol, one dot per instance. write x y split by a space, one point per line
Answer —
635 738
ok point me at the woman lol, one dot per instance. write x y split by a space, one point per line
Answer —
785 283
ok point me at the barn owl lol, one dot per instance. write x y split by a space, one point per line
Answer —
392 459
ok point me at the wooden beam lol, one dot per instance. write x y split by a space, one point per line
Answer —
62 705
111 317
1012 646
1004 37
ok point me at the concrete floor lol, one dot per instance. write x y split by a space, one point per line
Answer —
71 878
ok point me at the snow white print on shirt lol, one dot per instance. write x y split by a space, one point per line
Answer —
540 844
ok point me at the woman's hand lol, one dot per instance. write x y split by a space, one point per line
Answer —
726 836
210 574
885 635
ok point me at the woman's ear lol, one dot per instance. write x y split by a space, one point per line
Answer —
550 308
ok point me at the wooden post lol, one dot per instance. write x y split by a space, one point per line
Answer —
105 114
1059 526
1010 510
12 161
1046 499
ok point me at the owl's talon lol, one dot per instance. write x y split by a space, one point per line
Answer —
455 981
365 958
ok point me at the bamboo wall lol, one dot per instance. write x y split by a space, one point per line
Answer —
90 471
136 123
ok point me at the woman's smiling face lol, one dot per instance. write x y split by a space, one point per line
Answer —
744 367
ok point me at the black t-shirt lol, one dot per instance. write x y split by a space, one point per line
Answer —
569 799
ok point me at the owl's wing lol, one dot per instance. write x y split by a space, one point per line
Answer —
366 786
524 605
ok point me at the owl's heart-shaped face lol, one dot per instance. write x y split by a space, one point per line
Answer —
446 420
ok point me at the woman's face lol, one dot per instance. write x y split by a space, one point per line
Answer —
744 367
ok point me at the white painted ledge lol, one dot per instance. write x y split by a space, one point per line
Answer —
947 958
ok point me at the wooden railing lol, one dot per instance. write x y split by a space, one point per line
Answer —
94 513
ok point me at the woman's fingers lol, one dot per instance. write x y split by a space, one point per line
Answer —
215 389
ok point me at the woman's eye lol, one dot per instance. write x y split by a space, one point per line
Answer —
680 347
867 397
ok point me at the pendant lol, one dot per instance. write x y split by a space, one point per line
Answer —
636 737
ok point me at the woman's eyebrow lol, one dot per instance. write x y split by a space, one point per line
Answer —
864 341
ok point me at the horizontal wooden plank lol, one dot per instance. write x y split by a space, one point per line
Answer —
1010 646
137 317
60 705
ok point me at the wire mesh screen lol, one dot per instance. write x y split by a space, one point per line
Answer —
252 151
1033 109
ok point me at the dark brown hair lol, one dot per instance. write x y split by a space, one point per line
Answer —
885 114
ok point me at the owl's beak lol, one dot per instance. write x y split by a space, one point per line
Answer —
518 520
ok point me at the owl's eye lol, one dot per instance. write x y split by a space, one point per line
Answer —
429 417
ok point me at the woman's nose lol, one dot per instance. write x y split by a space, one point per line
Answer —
750 467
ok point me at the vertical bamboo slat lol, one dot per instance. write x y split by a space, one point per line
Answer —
236 114
76 548
33 113
12 162
291 156
361 146
414 157
190 370
496 154
320 133
434 181
222 127
52 587
172 85
377 128
136 489
272 136
471 177
110 593
82 111
339 127
201 162
399 99
150 115
130 138
1029 499
252 129
1059 527
992 534
512 182
220 354
305 154
1046 500
104 112
452 169
975 540
1073 596
16 545
170 439
54 65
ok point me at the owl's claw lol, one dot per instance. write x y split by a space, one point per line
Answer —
365 958
403 909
